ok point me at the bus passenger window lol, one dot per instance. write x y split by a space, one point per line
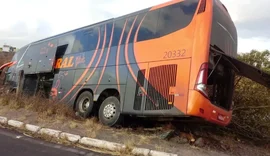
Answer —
118 27
85 40
102 35
176 16
127 29
148 29
135 27
109 27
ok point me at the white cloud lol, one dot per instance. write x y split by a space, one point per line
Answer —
252 21
260 44
29 20
248 10
58 15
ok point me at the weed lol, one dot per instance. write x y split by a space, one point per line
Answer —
72 125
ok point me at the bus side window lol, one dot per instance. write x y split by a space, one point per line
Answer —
135 27
130 21
109 27
118 27
102 35
148 29
85 40
176 16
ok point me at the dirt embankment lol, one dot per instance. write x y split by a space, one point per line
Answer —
181 139
4 58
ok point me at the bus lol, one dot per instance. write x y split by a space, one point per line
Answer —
173 60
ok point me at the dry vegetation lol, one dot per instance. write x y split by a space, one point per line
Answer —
54 115
251 116
50 112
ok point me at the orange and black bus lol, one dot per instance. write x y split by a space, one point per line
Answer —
176 59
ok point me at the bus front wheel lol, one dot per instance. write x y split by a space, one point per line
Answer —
109 112
84 104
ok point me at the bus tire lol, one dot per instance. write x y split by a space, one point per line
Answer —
109 112
84 104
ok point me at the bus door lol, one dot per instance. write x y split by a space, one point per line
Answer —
39 57
63 74
38 67
46 59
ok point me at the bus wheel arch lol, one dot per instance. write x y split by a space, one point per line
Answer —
108 107
84 103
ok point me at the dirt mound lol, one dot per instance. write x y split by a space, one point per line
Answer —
4 58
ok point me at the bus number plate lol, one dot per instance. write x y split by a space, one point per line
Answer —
174 54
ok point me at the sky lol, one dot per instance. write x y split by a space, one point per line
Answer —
25 21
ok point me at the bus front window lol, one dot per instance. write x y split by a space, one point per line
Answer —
220 82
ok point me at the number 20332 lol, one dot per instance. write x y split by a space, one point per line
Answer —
174 53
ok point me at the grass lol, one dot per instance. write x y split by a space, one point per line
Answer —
51 112
72 124
44 107
57 114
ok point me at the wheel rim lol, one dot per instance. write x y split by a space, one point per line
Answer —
109 111
84 104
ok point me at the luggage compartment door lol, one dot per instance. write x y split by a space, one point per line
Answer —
167 87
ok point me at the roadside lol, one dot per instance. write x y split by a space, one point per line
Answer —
13 143
200 142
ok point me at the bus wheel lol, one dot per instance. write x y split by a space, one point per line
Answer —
84 104
109 112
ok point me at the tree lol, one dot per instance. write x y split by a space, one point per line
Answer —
258 59
251 115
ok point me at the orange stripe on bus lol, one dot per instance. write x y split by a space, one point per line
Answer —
86 70
135 40
91 74
9 64
106 60
127 60
137 31
117 56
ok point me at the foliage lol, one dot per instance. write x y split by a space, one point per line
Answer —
251 115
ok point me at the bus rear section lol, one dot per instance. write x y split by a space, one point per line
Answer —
212 95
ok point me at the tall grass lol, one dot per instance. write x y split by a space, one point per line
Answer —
37 104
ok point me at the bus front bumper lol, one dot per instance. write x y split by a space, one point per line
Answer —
200 106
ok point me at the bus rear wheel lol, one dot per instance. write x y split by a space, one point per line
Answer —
84 104
109 112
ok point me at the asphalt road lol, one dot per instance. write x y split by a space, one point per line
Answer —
15 144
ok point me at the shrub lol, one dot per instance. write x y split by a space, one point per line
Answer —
251 116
